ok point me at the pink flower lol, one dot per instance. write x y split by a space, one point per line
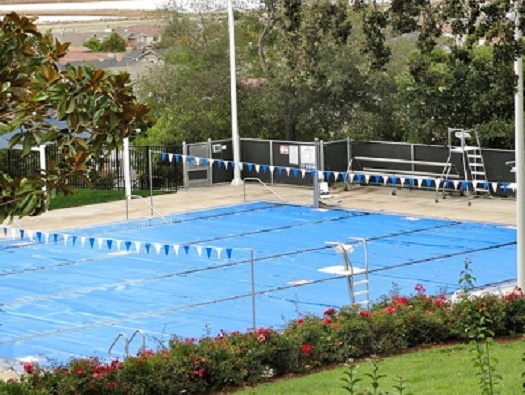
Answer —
389 310
330 311
80 372
420 288
327 320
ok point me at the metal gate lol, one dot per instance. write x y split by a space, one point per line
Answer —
197 172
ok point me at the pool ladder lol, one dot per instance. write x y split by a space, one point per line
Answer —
150 205
356 277
127 342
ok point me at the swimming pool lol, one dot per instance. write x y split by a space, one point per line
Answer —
72 295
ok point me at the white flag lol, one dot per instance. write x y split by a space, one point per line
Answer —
137 246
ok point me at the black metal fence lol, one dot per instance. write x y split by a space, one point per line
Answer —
149 162
335 156
106 171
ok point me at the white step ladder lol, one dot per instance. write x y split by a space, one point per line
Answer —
474 171
356 276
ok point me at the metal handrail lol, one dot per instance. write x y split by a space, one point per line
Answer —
264 185
127 342
126 345
153 209
138 332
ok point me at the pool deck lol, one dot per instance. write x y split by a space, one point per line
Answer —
374 199
379 199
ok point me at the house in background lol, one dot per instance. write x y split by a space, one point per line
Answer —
137 36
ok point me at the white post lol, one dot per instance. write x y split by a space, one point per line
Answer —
43 166
237 181
520 155
252 270
127 174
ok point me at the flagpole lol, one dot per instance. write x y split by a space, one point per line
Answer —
519 155
237 181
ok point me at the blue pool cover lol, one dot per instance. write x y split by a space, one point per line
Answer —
70 295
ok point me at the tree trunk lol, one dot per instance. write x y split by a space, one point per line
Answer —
289 126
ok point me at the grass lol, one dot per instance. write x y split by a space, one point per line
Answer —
443 370
83 197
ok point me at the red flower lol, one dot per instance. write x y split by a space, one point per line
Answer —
439 302
389 310
115 364
306 349
330 311
80 371
198 372
364 314
300 320
28 367
516 293
400 300
327 320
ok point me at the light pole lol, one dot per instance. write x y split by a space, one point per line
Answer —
237 181
519 154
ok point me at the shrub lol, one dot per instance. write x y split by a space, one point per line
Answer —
212 364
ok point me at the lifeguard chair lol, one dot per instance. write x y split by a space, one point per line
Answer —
474 173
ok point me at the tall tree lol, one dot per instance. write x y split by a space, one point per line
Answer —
322 79
34 89
452 82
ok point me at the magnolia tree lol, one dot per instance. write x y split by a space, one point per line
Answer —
34 89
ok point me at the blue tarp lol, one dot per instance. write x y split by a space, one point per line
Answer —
61 300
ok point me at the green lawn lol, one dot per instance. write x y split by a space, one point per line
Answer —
84 197
443 370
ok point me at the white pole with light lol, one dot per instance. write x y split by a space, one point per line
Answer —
519 155
237 181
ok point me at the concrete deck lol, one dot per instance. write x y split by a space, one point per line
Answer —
415 202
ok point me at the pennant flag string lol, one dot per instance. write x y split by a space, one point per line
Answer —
335 176
109 244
